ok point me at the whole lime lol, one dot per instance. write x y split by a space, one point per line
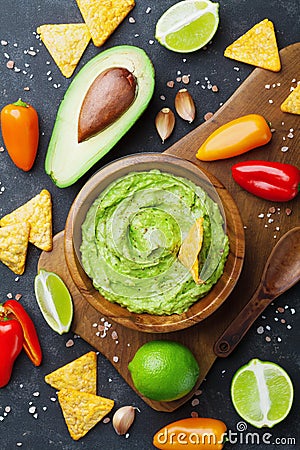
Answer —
164 370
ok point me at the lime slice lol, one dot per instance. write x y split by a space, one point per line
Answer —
262 393
188 25
54 300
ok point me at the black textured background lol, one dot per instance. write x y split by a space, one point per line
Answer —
18 22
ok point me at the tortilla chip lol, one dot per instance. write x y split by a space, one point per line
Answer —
80 374
13 246
292 103
37 212
66 43
103 17
82 411
190 249
257 47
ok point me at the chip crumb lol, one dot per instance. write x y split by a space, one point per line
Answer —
26 88
194 414
170 84
215 88
195 402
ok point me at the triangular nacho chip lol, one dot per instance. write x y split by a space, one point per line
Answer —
66 43
102 18
82 411
13 246
292 103
257 46
80 374
37 212
190 249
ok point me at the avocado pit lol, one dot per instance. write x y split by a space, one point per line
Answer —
109 96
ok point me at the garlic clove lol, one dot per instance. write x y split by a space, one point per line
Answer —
123 419
185 106
165 122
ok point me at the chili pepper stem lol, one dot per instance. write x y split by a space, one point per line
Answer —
20 102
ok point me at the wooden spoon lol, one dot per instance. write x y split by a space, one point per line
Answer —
281 272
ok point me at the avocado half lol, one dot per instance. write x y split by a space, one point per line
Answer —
66 159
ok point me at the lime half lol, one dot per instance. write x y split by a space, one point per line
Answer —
54 300
188 25
262 393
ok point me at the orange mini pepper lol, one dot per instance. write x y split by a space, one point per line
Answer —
192 433
20 132
235 137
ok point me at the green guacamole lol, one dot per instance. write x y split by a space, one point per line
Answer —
131 237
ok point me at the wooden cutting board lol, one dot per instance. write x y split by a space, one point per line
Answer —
261 232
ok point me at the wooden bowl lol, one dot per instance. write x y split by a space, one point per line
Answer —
178 167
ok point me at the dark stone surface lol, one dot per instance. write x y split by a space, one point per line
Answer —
18 22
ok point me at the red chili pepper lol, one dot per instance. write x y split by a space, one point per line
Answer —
273 181
31 343
11 344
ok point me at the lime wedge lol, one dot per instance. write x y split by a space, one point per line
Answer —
54 300
262 393
188 25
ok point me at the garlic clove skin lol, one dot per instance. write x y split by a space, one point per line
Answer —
185 106
123 419
165 122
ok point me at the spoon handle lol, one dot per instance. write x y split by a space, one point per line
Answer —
242 322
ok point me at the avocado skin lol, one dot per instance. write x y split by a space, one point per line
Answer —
66 159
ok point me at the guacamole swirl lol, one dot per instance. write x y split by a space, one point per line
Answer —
131 237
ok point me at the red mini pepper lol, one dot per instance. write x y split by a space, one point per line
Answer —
31 343
278 182
11 343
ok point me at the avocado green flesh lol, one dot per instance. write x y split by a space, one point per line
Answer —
131 237
66 159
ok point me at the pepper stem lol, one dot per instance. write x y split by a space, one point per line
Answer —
21 103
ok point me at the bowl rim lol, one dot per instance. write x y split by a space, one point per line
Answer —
143 321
